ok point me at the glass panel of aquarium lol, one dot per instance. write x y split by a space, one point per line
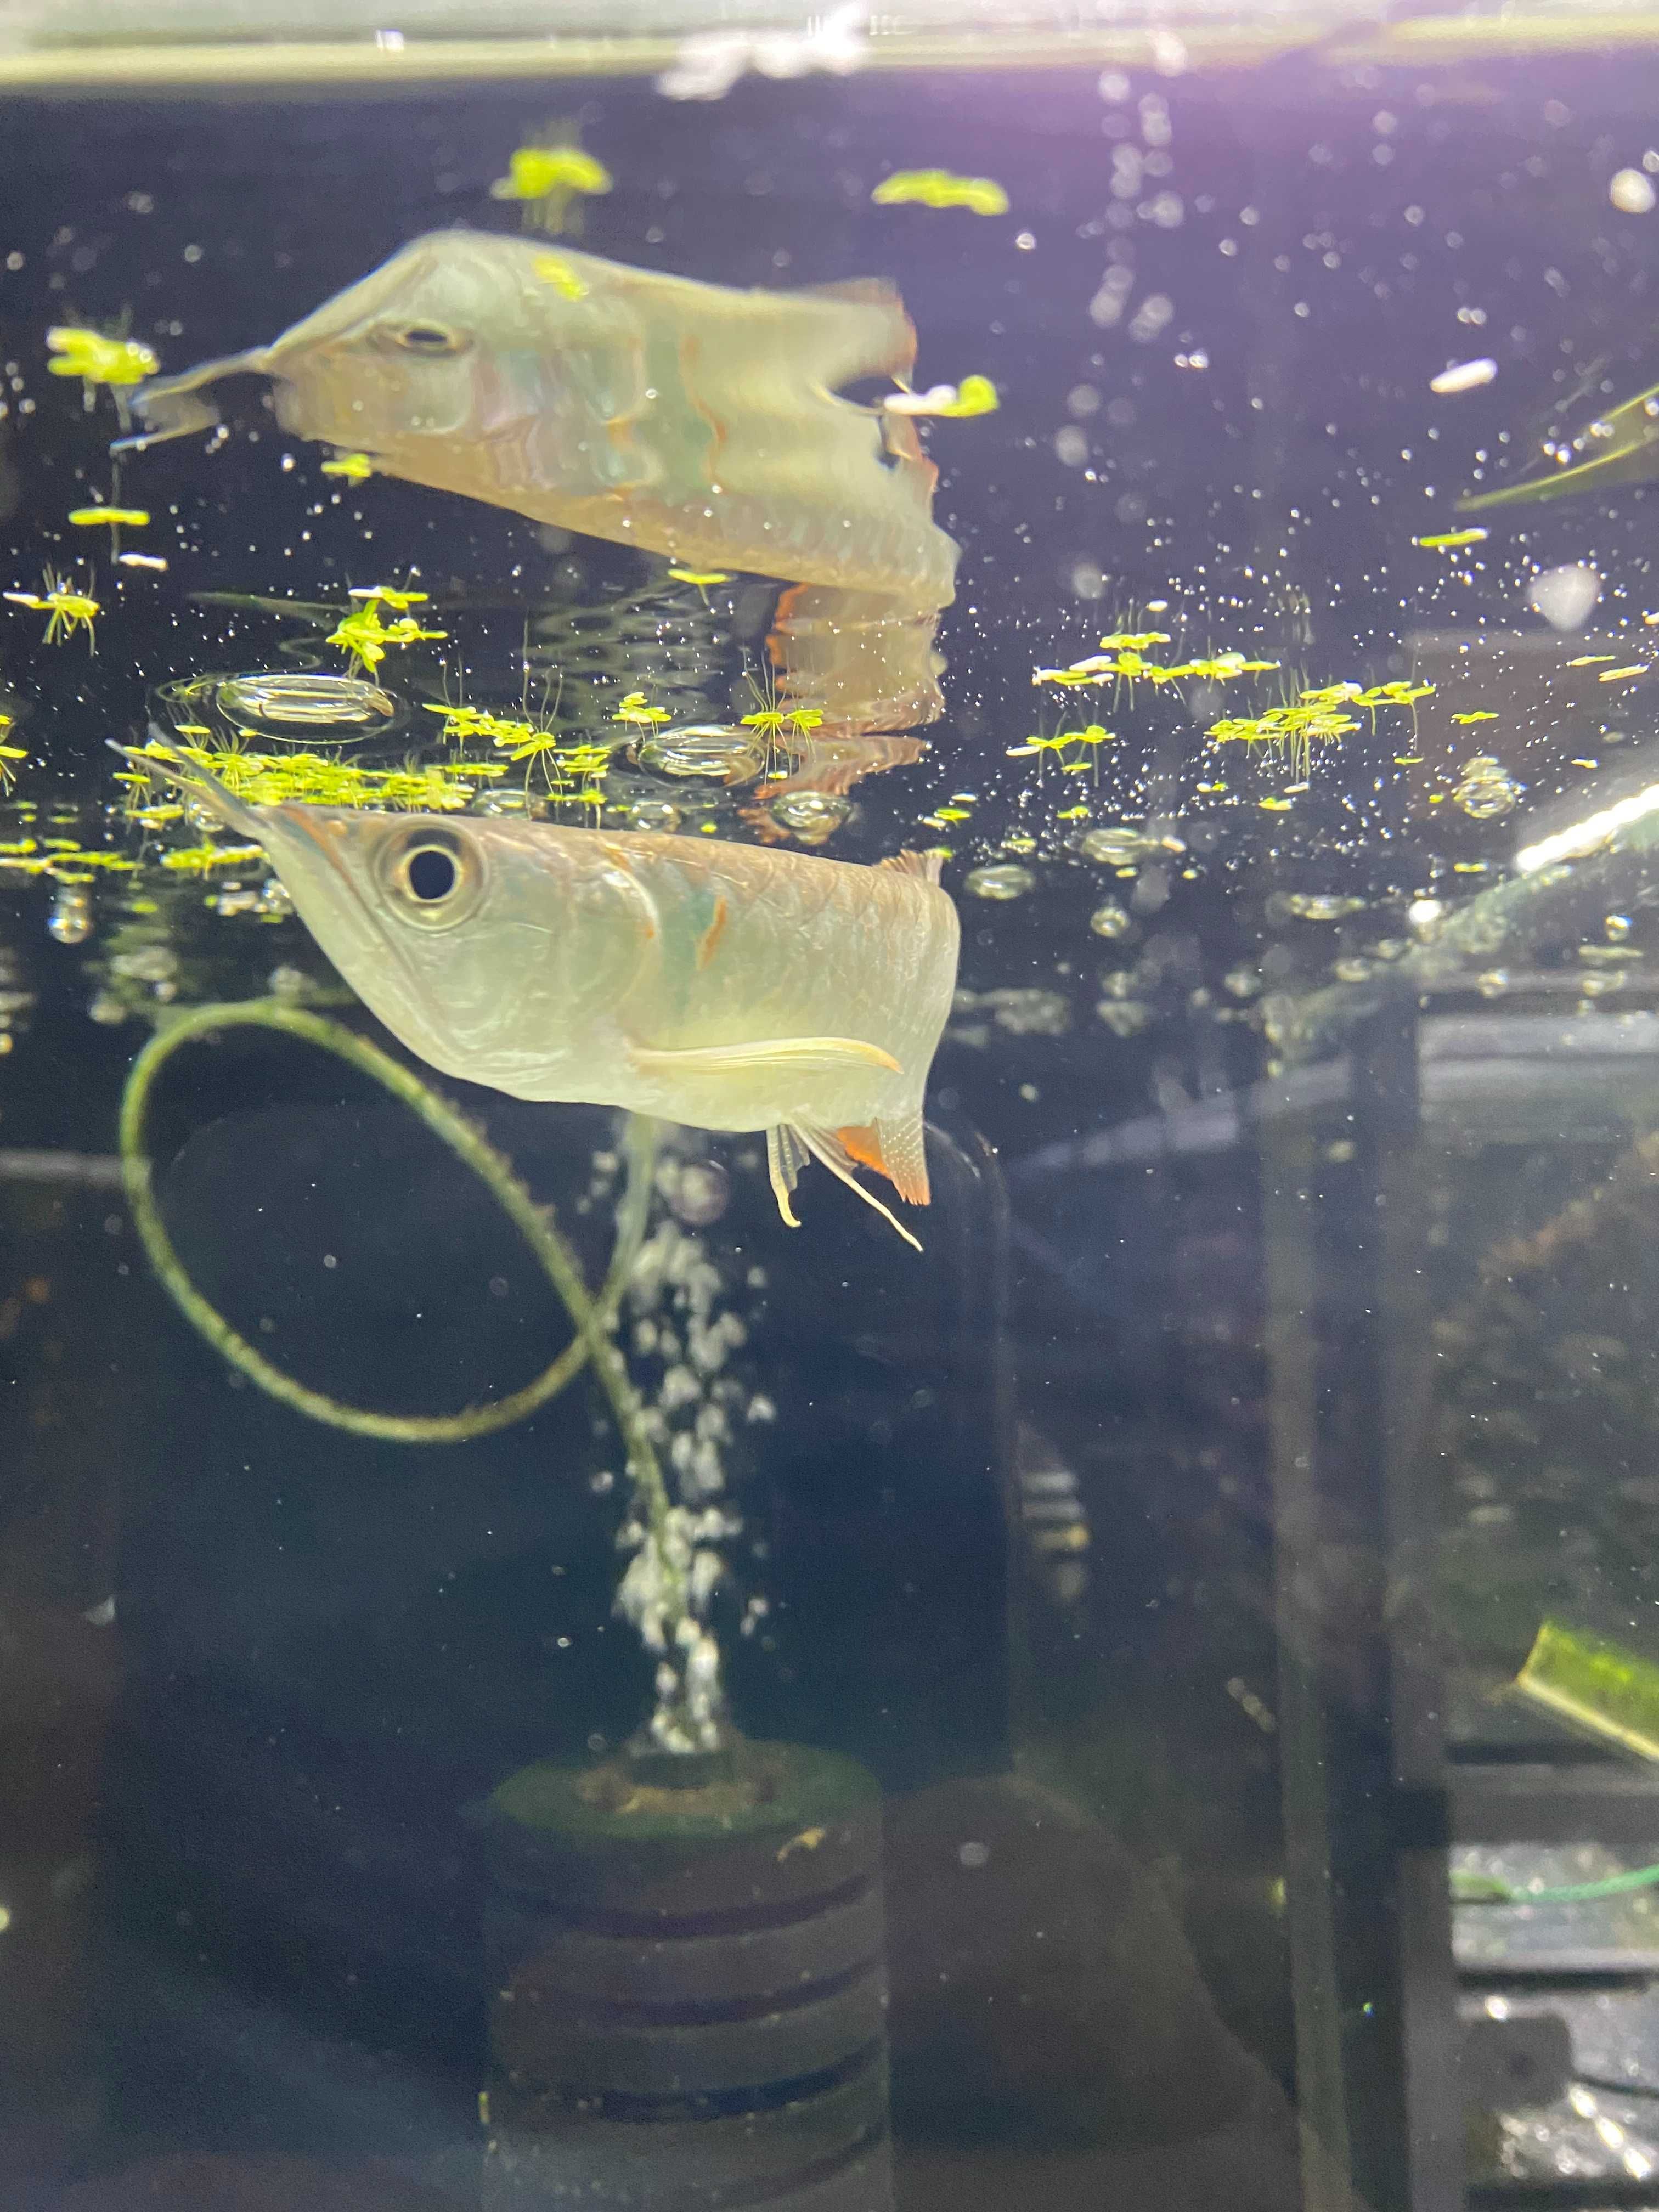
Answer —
828 1107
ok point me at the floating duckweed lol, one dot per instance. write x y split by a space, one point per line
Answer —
356 468
70 921
275 778
310 703
129 518
637 714
1109 920
1476 715
813 817
1451 541
975 395
711 748
939 188
1486 789
96 359
661 815
1003 879
366 637
546 179
704 579
1618 927
1125 1017
69 611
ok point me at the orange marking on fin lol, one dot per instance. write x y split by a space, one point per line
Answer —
865 1146
711 936
863 1142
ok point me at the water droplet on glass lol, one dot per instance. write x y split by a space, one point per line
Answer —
70 921
661 815
1109 920
813 817
1004 879
712 749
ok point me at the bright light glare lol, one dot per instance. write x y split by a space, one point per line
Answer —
1589 835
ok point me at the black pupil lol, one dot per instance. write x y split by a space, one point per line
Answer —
431 874
426 338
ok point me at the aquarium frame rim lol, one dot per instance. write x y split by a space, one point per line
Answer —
359 63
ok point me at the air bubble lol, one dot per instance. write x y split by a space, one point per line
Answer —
1004 879
711 748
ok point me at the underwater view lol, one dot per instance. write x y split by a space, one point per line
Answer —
829 1110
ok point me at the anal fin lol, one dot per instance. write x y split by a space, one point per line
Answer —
792 1056
892 1144
826 1145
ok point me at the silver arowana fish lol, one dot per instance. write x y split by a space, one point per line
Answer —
731 986
689 419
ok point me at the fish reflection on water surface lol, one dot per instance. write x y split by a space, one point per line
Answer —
689 419
729 986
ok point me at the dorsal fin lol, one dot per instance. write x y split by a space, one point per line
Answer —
866 290
925 866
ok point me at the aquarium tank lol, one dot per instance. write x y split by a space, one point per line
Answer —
829 1106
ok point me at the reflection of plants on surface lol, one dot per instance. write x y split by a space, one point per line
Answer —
670 1581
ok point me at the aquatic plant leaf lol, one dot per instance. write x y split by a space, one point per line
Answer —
1628 453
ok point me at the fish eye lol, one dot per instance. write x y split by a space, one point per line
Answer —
431 874
432 338
434 877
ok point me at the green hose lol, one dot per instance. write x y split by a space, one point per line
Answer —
1487 1889
590 1317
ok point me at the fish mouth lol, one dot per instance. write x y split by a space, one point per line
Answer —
303 843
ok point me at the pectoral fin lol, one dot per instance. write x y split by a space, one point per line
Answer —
822 1055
